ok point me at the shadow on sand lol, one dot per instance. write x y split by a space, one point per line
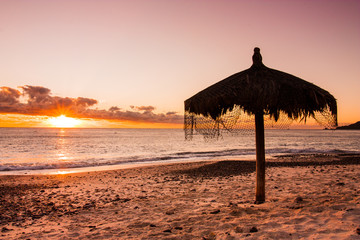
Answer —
239 167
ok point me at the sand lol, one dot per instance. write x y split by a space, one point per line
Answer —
308 197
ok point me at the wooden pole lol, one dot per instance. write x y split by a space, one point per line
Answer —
260 158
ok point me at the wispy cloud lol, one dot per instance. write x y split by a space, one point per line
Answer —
37 100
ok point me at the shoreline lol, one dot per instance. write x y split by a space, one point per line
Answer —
102 168
113 167
308 196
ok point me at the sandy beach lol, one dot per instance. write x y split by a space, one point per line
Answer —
308 197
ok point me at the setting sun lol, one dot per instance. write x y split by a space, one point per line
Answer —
63 122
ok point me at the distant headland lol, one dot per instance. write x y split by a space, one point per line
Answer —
354 126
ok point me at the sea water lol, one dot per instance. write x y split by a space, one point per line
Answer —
30 150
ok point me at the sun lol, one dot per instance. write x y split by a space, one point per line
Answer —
63 122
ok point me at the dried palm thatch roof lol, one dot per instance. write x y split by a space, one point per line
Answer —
262 89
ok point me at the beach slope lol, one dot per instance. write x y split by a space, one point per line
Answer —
308 197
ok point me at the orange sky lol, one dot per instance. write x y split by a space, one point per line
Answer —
158 53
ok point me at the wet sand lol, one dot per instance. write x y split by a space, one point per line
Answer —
308 197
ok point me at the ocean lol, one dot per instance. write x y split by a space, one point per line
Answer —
49 150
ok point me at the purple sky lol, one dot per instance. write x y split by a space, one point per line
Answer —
159 53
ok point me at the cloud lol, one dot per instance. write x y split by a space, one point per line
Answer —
9 96
144 108
36 94
39 101
113 109
170 113
85 102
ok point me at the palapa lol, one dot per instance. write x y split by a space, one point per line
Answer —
260 91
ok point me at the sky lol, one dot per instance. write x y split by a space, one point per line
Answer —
133 63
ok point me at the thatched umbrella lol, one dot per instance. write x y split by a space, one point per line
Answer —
261 91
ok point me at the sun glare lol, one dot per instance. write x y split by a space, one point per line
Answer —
63 122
